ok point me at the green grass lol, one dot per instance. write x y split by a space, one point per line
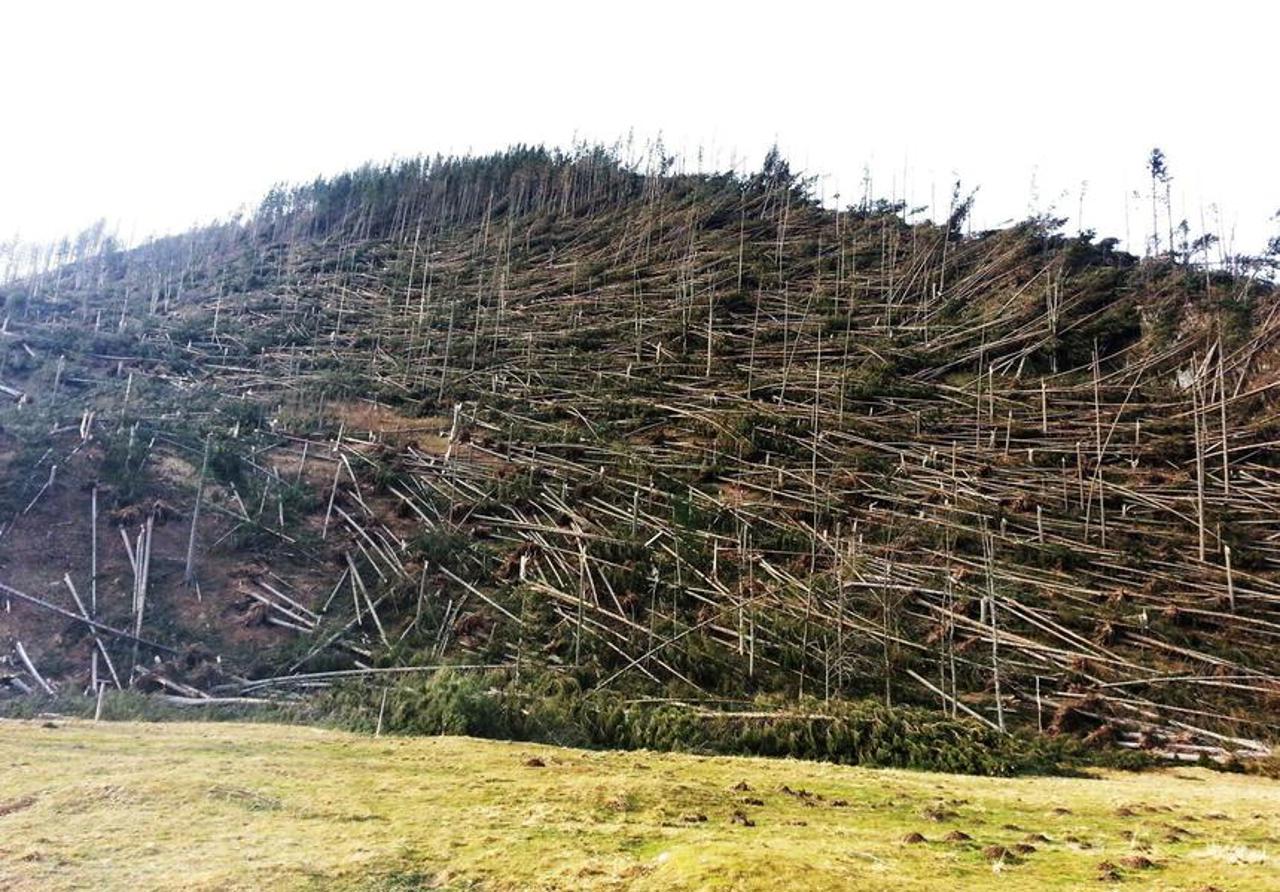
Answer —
242 806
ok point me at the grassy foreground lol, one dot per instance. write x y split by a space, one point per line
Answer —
241 806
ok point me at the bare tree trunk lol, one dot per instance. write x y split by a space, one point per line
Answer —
189 574
1231 587
995 633
93 550
1199 443
31 668
1222 408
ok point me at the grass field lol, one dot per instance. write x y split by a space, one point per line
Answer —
240 806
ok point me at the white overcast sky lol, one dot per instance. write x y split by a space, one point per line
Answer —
160 115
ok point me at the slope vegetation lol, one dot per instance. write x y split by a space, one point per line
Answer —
685 437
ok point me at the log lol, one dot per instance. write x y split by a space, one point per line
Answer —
12 592
31 668
184 702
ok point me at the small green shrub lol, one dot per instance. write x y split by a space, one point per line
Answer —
553 709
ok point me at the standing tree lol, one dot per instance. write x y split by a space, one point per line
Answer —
1159 170
1273 246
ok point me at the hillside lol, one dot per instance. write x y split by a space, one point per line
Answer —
691 438
298 808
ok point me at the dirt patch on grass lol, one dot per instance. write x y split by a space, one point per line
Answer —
16 805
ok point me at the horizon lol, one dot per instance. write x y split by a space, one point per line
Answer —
256 101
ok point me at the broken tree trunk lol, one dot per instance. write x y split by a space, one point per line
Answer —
31 668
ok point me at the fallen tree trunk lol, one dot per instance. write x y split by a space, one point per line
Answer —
177 700
31 668
91 623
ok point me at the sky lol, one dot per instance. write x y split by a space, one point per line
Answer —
161 115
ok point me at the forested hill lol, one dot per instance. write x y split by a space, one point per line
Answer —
678 436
